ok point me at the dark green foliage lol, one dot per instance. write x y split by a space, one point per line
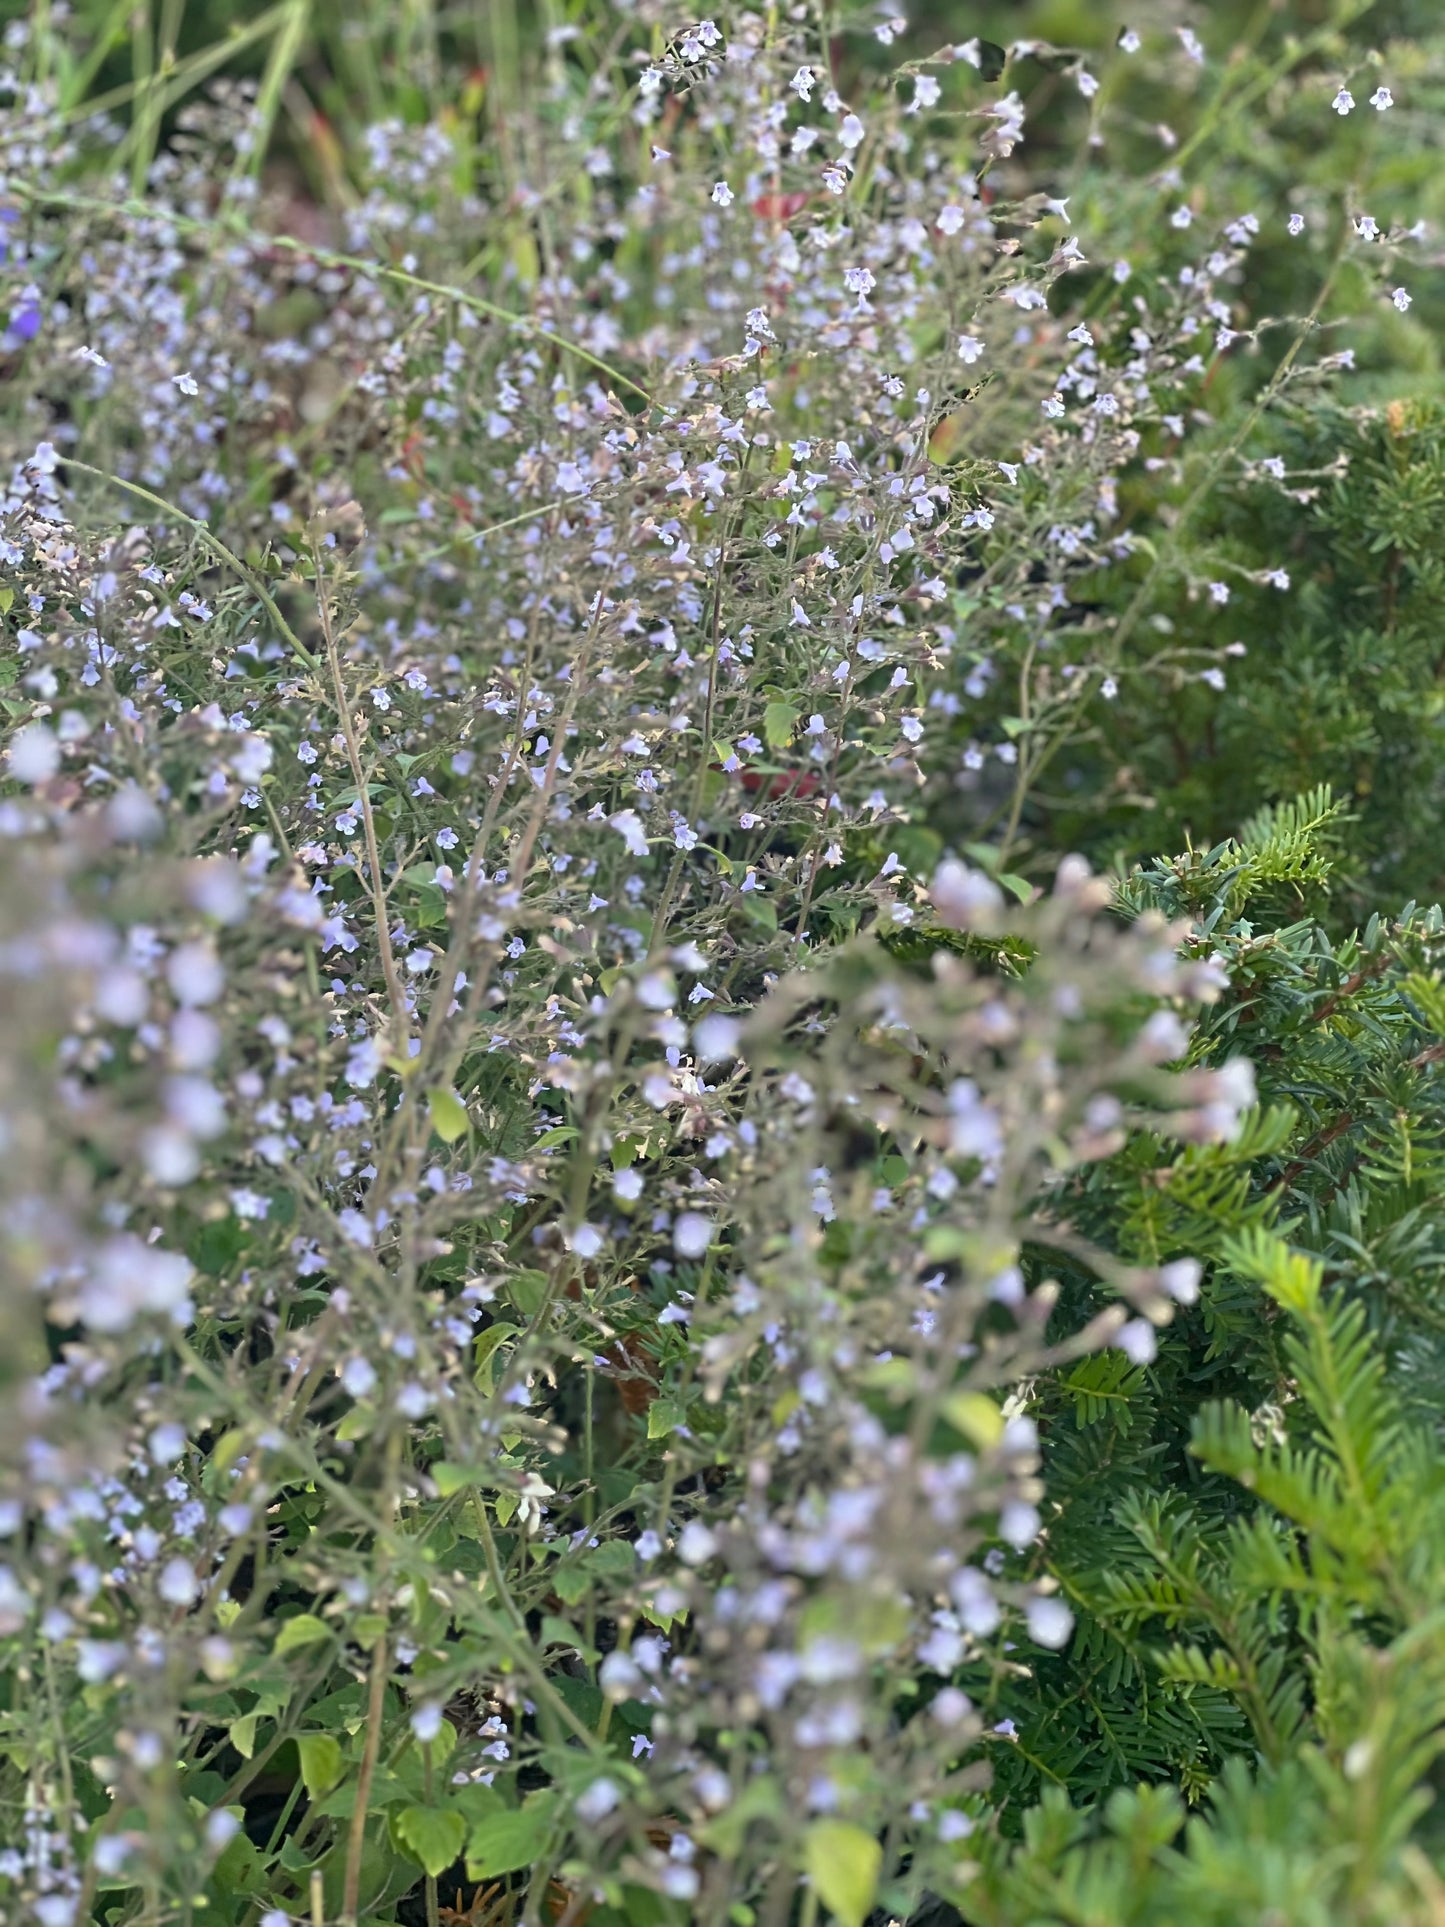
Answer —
1342 674
1251 1528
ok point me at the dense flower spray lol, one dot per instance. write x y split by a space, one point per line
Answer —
534 1145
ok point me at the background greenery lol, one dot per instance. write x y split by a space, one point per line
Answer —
1249 1527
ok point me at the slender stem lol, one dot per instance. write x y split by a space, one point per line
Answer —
330 257
213 542
395 990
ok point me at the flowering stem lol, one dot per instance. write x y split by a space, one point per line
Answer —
214 543
329 257
395 992
1030 768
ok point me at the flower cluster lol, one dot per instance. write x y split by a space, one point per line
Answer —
538 1113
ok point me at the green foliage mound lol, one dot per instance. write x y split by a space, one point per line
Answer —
722 995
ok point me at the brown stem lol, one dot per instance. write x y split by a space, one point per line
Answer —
356 1841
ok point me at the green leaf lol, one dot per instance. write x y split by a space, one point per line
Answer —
432 1835
664 1415
527 1290
448 1114
484 1354
504 1842
216 1246
320 1762
976 1416
843 1863
449 1478
243 1734
561 1632
779 720
304 1630
572 1586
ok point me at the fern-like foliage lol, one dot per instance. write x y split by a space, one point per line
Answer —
1317 1614
1236 1522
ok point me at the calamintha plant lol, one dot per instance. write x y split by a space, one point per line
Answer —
621 1262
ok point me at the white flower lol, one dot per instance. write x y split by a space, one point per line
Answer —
194 974
1136 1340
529 1507
600 1799
620 1676
722 194
628 825
177 1583
691 1235
1181 217
127 1277
715 1039
1129 41
222 1826
851 133
34 755
186 384
359 1377
1018 1524
586 1241
1181 1279
1296 224
970 348
1381 99
696 1543
1088 84
964 899
1343 101
426 1723
355 1227
803 83
1050 1622
166 1443
1401 299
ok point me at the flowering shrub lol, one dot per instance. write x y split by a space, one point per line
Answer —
605 1225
